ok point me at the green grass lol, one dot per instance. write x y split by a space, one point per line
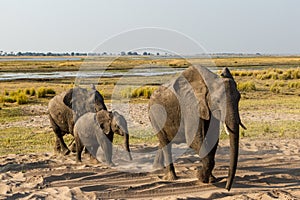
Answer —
24 140
137 137
272 130
10 114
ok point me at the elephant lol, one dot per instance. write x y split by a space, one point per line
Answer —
189 109
64 110
96 131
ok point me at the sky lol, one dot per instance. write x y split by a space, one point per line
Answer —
216 26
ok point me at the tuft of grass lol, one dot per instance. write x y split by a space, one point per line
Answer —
42 92
16 96
21 98
294 85
270 73
246 86
277 87
144 92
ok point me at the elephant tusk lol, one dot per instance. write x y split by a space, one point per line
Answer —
243 126
226 129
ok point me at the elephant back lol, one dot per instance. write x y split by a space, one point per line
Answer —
86 127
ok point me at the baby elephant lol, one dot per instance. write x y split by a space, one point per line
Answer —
95 131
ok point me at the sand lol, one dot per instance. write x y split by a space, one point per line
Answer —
268 169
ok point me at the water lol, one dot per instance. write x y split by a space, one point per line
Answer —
10 76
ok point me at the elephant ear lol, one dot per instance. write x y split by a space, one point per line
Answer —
68 98
103 119
96 100
217 93
199 89
209 90
120 121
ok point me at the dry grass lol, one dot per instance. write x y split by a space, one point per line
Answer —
262 90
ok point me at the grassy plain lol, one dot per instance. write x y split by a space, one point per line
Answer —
265 95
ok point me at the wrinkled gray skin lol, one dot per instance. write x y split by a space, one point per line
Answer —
188 105
96 131
65 108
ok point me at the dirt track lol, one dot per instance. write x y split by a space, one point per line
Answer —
266 170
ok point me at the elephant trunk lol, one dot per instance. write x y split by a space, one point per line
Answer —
126 144
234 152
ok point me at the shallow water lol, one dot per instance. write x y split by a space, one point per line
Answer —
9 76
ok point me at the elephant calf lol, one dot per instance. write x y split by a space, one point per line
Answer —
95 131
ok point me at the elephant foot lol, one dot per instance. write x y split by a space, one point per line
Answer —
158 166
94 160
205 177
170 176
66 152
202 176
111 164
73 148
212 179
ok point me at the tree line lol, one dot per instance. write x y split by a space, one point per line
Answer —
123 53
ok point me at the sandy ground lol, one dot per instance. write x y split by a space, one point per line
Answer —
266 170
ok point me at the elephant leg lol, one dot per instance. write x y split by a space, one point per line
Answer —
159 159
79 149
64 149
170 170
205 174
73 147
106 148
57 147
60 145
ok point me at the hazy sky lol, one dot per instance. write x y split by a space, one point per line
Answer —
239 26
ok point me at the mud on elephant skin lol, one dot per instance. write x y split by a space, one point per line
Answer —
96 131
189 109
64 109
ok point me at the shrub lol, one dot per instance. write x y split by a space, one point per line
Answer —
126 93
21 98
41 92
27 91
145 92
296 73
246 86
32 92
294 85
50 91
6 93
275 89
7 99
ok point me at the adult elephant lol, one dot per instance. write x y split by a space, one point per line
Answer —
96 131
189 109
65 108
